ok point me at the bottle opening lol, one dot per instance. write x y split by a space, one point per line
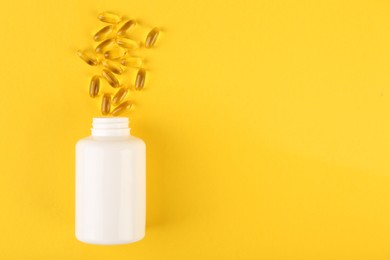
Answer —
110 126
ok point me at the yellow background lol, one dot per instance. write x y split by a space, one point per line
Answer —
267 126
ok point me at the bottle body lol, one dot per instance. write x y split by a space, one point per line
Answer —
110 187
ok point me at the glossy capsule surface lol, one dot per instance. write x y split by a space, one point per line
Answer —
127 43
152 37
122 108
103 33
115 53
106 104
140 79
131 62
127 27
88 57
113 66
111 79
94 86
120 95
102 47
109 17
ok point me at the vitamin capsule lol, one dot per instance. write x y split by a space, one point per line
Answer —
131 62
103 45
103 33
151 38
140 79
115 53
113 66
125 106
127 27
94 86
106 104
127 43
108 17
111 79
120 95
88 57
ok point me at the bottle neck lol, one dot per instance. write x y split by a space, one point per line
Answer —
110 126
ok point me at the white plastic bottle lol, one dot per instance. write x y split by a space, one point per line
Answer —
110 184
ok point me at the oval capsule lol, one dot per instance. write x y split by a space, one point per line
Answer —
127 27
108 17
101 48
152 37
140 79
111 79
131 62
120 95
106 104
127 43
103 33
88 57
94 86
115 53
113 66
125 106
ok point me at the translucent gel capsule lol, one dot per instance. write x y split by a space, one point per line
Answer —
94 86
106 104
140 79
131 62
125 106
120 95
152 37
104 45
127 43
103 33
108 17
127 27
88 57
113 66
115 53
111 79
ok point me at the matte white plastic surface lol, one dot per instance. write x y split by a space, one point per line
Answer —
110 185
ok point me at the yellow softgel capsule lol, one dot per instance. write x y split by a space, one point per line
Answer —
120 95
109 17
88 57
126 43
152 37
131 62
127 27
125 106
101 48
111 79
113 66
106 104
94 86
140 79
103 33
115 53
